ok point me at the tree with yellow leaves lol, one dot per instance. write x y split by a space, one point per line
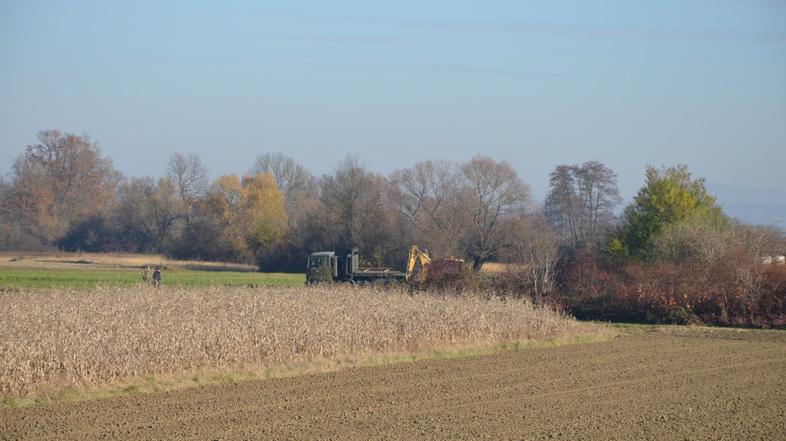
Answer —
264 213
249 213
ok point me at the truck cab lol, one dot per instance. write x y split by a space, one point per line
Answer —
321 267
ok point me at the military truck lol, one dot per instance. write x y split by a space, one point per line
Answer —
337 267
332 267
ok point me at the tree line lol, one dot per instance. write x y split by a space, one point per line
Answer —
671 255
64 193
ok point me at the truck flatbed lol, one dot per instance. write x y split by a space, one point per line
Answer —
329 266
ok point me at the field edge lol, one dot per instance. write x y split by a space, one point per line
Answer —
162 383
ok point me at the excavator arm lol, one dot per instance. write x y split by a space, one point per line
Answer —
416 255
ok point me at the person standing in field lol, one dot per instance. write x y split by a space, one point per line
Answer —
146 274
157 277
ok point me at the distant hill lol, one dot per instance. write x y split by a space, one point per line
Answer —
754 205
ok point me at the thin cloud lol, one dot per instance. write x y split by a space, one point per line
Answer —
426 68
523 27
340 39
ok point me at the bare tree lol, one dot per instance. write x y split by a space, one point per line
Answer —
294 180
493 197
427 199
693 240
5 194
189 175
58 181
340 196
562 203
759 241
536 246
9 229
466 209
147 212
598 194
355 210
581 200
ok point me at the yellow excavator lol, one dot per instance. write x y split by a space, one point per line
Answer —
415 256
439 271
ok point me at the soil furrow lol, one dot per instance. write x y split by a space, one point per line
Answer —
643 386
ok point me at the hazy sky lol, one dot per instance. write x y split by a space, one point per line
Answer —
394 82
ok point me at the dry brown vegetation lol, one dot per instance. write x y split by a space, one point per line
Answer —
655 383
501 267
732 289
58 339
54 259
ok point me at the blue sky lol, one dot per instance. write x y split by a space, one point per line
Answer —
629 83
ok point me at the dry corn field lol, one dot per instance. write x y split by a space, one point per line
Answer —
58 339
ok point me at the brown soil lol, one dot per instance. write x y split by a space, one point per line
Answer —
676 384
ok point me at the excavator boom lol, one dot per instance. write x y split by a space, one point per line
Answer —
416 255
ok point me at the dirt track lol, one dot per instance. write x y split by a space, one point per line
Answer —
680 385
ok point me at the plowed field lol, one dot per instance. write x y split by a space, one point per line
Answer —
674 384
